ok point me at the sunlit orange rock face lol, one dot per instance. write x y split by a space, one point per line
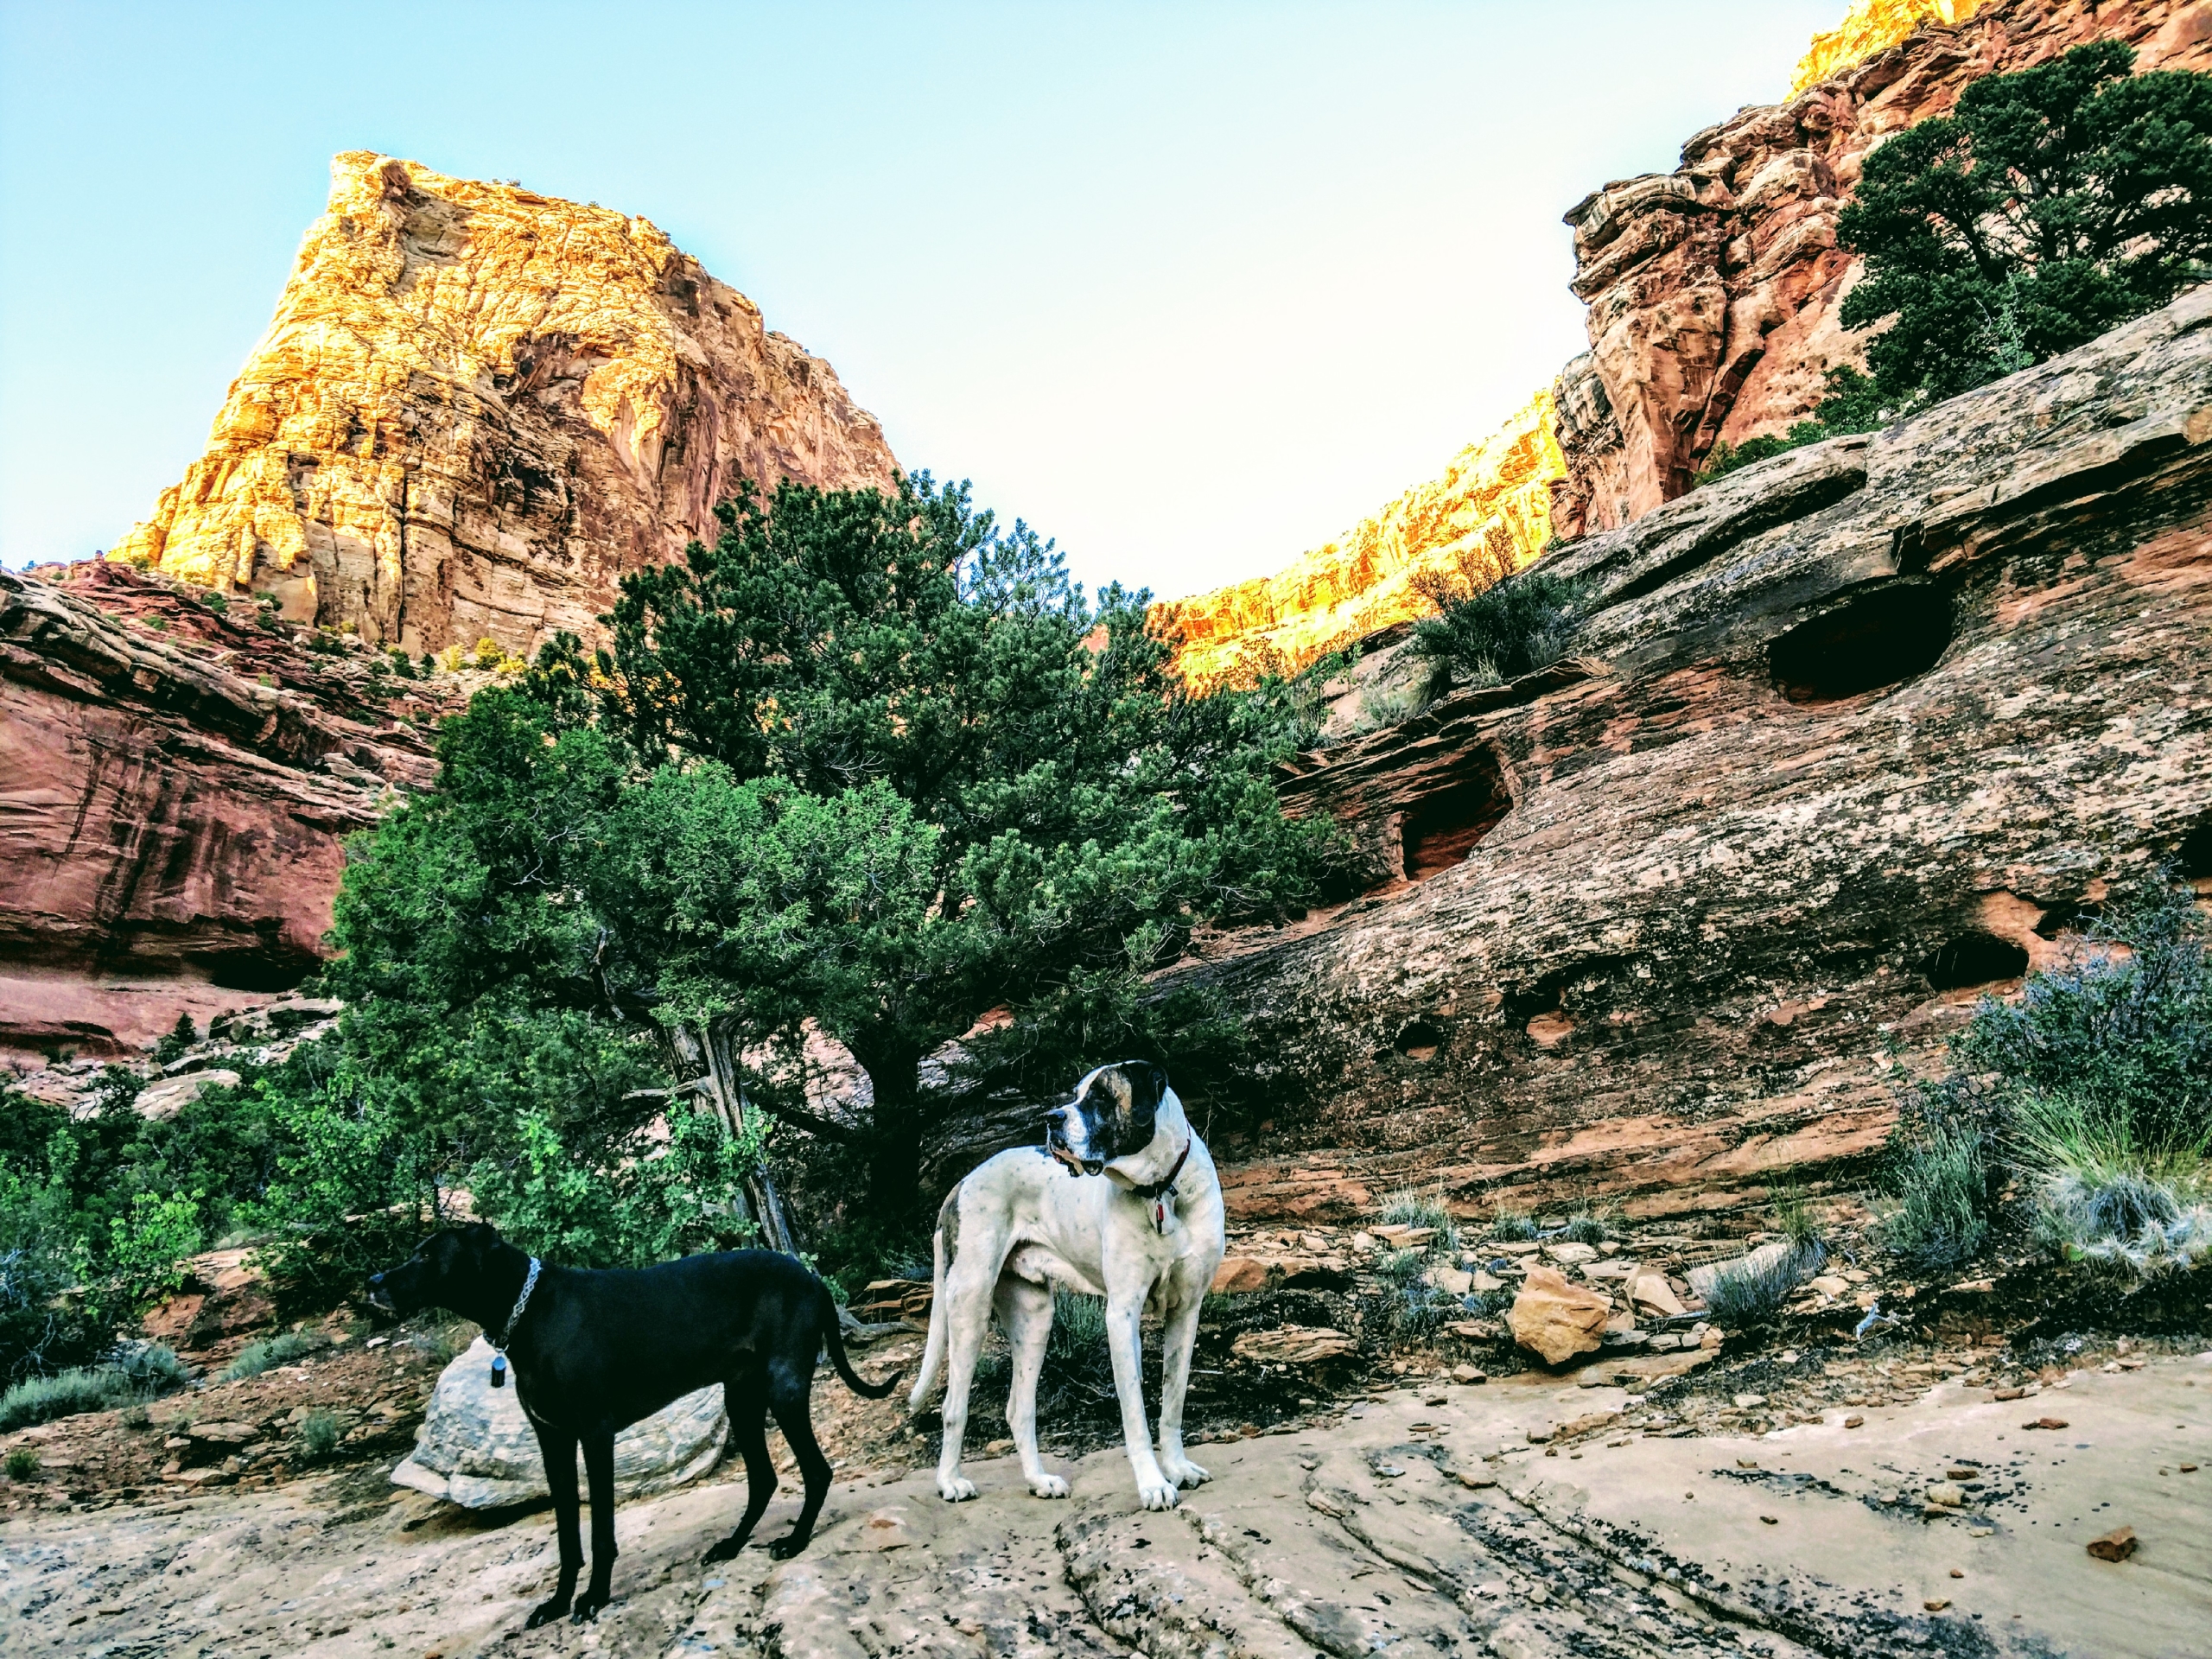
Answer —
1713 291
1872 26
1495 492
478 407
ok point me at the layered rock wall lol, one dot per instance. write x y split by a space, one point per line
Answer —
175 786
1493 500
1847 738
1713 289
477 407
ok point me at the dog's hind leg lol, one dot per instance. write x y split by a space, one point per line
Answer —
1175 1381
968 1285
746 1398
599 1469
558 1447
790 1397
1025 1314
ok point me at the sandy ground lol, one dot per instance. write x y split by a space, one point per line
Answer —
1425 1520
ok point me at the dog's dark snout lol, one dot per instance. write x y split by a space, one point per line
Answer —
1057 1117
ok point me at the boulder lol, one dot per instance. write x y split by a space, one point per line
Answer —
1557 1320
165 1099
1650 1293
1568 1254
1763 1260
476 1447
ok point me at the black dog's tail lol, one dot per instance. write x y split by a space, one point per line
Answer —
834 1340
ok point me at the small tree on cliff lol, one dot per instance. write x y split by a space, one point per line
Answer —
868 761
2056 203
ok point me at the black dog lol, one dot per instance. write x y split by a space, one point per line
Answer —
595 1352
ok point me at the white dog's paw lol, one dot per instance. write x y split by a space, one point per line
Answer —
1048 1486
1183 1472
955 1489
1156 1494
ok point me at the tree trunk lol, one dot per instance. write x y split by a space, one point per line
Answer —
894 1146
706 1056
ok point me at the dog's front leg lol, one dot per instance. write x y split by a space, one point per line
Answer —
1175 1381
599 1468
558 1447
1025 1314
1124 1340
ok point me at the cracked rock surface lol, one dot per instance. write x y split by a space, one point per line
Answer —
1425 1520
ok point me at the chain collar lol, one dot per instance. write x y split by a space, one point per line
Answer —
522 1301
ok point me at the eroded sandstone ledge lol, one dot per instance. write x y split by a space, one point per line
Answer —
1848 738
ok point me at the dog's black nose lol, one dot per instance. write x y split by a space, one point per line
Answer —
1057 1117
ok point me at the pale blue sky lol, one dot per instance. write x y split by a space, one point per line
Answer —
1190 287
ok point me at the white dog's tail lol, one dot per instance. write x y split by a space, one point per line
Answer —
933 1355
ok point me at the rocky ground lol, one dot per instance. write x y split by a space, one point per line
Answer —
1521 1516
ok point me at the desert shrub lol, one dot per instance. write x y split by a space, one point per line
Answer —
23 1464
151 1368
1514 1226
1388 705
318 1435
1583 1227
1743 1294
1518 625
1402 1267
136 1417
1078 1327
1417 1308
2121 1033
65 1394
1411 1210
267 1354
1940 1173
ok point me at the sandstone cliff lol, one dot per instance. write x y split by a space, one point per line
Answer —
1495 492
174 789
477 407
1713 289
1847 737
1869 27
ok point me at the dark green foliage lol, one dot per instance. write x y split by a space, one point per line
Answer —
1941 1174
2125 1030
1514 628
1583 1228
2054 204
173 1045
1853 404
319 1435
23 1464
898 772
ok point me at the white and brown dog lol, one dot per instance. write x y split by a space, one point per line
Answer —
1141 1225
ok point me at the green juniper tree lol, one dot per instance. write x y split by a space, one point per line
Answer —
871 763
2052 205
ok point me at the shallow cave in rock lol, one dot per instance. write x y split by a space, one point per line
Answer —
265 972
2195 853
1419 1042
1441 829
1883 638
1973 959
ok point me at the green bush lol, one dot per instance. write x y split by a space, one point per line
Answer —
23 1464
138 1372
1520 624
1743 1295
318 1435
1941 1178
288 1349
1411 1210
1514 1226
1583 1227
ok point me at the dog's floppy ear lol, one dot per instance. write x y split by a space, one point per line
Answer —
1147 1084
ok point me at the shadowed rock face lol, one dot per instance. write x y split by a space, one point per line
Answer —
1713 289
173 805
1845 738
478 407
